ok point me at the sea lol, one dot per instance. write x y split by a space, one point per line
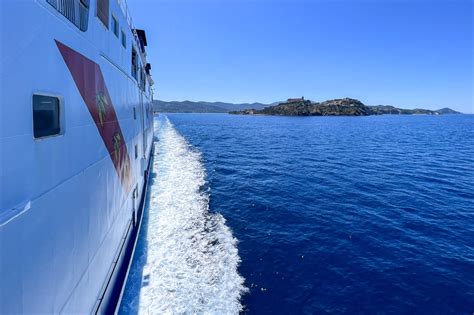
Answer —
307 215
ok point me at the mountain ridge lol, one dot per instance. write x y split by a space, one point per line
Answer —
202 106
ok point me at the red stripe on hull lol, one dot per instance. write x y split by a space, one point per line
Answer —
90 82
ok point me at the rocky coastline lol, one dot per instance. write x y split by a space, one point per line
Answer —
336 107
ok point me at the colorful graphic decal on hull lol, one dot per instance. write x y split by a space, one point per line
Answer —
90 82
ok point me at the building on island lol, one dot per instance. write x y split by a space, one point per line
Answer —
295 100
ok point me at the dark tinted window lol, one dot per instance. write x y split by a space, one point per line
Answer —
134 63
142 79
103 11
124 40
45 116
115 26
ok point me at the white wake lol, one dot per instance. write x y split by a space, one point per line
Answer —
191 257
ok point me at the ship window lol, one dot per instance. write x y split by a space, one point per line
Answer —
136 151
134 63
76 11
45 116
124 40
103 11
115 26
142 79
134 113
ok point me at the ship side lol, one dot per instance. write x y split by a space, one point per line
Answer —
76 135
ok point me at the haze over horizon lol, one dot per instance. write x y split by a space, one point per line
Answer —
402 53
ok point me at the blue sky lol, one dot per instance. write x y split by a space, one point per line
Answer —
410 54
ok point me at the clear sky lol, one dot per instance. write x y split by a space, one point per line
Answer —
407 53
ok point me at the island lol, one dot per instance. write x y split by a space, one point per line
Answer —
337 107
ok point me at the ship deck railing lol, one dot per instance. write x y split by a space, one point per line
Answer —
128 17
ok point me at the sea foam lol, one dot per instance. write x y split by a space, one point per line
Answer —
187 259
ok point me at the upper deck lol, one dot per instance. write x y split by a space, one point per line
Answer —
95 20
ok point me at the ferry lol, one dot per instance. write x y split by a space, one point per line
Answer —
76 142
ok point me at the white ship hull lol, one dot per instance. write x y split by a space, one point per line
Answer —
70 202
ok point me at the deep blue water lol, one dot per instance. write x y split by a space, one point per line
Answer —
345 214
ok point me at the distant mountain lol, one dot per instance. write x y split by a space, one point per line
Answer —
388 109
336 107
201 107
392 110
447 111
